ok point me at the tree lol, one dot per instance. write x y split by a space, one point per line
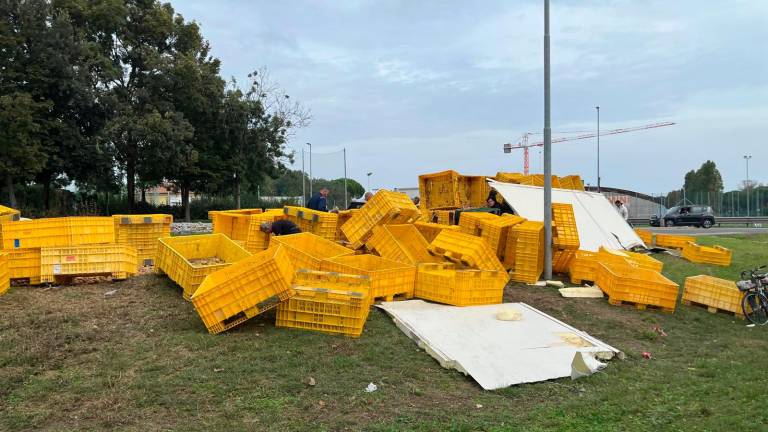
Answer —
704 180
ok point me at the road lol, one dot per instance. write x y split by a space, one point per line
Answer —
692 231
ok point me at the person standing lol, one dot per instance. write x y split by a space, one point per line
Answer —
622 209
319 201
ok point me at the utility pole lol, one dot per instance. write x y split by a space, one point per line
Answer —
310 168
547 153
747 185
369 182
346 201
598 148
303 183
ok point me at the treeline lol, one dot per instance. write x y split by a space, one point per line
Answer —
117 96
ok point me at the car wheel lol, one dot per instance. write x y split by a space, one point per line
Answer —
669 223
707 223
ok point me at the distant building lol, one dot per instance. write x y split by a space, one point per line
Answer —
412 192
166 194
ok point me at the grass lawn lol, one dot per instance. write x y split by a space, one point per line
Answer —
72 358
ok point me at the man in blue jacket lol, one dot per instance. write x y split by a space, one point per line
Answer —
319 201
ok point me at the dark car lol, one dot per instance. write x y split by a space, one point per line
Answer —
692 215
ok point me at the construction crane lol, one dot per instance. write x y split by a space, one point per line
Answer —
523 143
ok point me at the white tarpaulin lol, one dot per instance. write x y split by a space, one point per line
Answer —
496 351
598 222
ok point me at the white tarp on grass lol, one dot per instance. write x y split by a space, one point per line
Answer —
496 353
598 222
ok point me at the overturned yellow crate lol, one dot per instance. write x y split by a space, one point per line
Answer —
323 224
625 283
443 283
673 241
402 243
443 217
440 190
24 264
714 293
524 254
431 230
232 295
5 274
620 257
64 263
187 260
390 280
385 207
55 232
307 250
344 216
494 229
583 267
142 232
226 221
645 235
327 302
715 255
565 236
9 214
465 250
572 182
245 226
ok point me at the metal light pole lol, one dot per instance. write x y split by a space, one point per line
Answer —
346 201
369 181
547 153
310 168
746 185
598 148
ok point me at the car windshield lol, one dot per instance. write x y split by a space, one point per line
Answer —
671 211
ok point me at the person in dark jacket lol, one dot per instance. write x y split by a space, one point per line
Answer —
319 201
492 203
281 227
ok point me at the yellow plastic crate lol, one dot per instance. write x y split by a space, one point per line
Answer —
473 191
116 260
430 230
716 255
572 182
465 250
307 250
344 216
440 190
5 274
643 287
245 226
142 232
443 217
327 302
620 257
24 264
9 214
645 235
492 228
524 255
390 280
323 224
233 294
561 260
401 243
583 267
715 293
565 234
54 232
224 218
443 283
385 207
175 253
673 241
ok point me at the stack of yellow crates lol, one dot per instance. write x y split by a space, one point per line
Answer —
244 226
323 224
443 283
384 207
565 236
524 254
142 232
494 229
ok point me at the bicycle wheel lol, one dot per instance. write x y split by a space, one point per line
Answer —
755 307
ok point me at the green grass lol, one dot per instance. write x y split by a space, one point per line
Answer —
73 359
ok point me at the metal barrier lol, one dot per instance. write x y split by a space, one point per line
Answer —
720 220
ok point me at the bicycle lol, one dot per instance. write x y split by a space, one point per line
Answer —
754 285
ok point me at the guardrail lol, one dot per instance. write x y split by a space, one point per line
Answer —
720 220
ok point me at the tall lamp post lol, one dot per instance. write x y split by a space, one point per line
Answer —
747 185
369 181
547 153
310 168
598 148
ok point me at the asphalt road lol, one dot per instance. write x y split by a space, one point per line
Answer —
692 231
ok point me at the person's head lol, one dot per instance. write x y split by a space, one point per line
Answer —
618 203
324 191
368 196
266 227
491 202
416 200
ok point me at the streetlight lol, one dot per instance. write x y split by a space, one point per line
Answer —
598 148
746 185
310 168
369 181
547 153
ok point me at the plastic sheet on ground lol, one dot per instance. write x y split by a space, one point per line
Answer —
496 353
597 221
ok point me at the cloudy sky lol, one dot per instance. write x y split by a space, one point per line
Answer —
410 87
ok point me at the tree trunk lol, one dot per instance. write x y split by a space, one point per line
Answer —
237 192
144 195
185 203
11 192
47 194
130 174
